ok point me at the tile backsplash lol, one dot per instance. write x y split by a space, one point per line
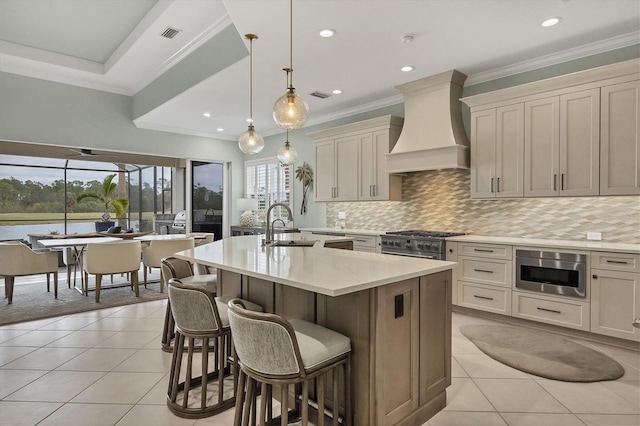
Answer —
439 201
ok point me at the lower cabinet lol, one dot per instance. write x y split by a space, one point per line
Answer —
615 294
485 297
485 276
485 280
368 243
551 310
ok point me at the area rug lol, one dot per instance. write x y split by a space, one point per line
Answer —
543 354
33 302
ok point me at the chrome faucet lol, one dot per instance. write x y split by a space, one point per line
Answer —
269 232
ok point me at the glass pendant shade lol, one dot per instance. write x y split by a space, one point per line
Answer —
290 111
287 154
251 142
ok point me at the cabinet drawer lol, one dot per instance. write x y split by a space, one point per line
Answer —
615 261
545 309
364 241
485 271
486 298
494 251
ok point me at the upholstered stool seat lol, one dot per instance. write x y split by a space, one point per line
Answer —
273 351
198 316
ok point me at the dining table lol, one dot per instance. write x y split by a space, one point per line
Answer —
78 245
155 237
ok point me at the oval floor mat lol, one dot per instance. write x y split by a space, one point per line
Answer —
543 354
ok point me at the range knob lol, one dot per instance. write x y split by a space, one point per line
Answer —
420 246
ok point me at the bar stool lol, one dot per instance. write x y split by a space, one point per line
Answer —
182 270
273 351
199 316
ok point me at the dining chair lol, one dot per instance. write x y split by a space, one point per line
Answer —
19 259
111 258
157 250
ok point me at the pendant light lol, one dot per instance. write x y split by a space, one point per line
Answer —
251 142
287 154
290 111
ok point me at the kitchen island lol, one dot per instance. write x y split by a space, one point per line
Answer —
396 311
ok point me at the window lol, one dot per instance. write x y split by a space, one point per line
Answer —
269 182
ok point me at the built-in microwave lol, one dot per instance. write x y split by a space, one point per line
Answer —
552 272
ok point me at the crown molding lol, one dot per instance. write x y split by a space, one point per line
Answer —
602 46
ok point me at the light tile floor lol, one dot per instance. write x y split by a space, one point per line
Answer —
106 368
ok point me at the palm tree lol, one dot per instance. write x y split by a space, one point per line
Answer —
108 197
305 175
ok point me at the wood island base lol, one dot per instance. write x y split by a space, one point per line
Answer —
400 335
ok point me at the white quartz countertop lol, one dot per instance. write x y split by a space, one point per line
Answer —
327 271
564 244
344 231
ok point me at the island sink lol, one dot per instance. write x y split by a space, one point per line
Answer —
292 243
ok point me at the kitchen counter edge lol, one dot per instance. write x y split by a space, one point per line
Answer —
562 244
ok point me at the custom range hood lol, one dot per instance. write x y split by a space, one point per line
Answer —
433 135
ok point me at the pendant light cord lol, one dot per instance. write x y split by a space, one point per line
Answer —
291 42
251 80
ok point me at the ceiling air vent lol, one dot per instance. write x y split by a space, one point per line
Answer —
320 95
170 32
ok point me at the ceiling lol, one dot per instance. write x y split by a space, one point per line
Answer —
116 46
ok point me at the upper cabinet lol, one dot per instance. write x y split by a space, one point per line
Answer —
561 142
496 152
619 147
351 161
573 135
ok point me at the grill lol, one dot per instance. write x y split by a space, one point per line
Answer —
180 221
414 243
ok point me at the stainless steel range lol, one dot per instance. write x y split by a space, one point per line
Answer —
425 244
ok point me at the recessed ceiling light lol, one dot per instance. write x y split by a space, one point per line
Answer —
406 68
551 22
407 38
220 129
206 114
336 91
326 32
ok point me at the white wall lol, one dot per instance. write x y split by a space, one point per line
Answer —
43 112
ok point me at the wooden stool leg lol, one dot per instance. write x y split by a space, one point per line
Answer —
347 392
240 394
284 403
305 403
205 371
320 385
336 405
248 401
263 403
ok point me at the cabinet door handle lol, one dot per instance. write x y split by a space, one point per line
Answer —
483 250
491 184
498 185
562 181
594 276
370 190
375 190
617 262
483 270
548 310
555 179
482 297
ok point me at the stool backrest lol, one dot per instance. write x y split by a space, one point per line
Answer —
264 343
172 267
194 309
